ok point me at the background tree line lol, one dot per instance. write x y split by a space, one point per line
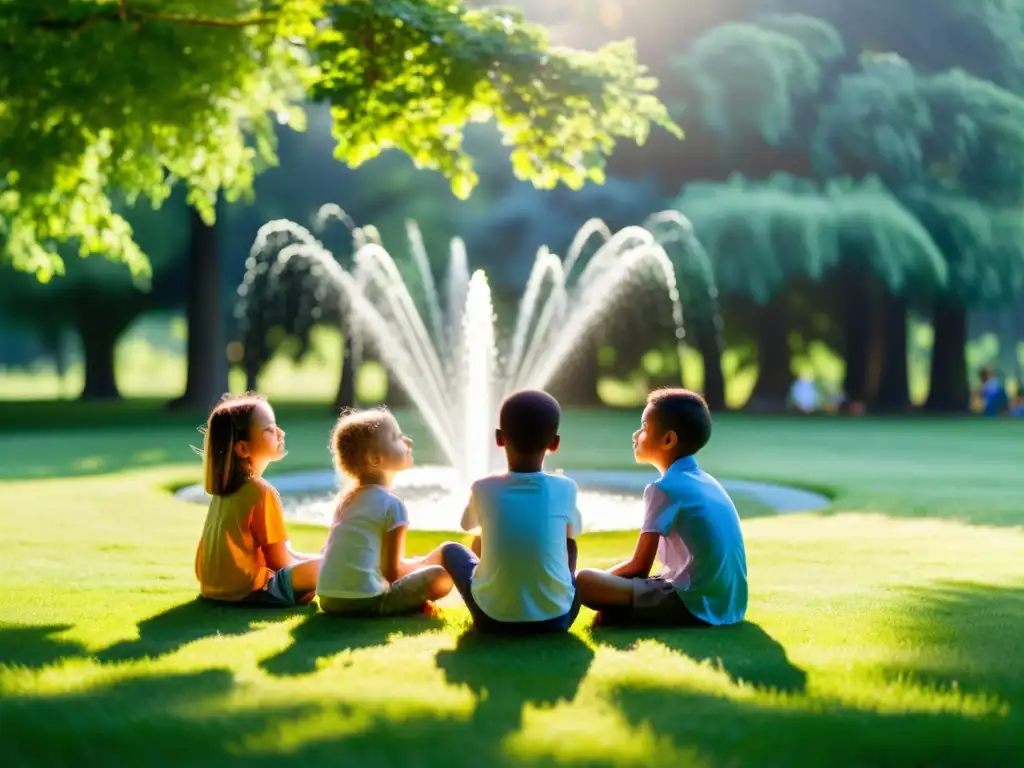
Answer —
848 167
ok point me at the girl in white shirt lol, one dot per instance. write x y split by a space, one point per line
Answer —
364 570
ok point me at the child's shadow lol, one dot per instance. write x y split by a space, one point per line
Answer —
506 674
182 624
745 652
322 635
35 646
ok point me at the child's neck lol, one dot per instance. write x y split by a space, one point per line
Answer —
665 462
257 468
525 464
376 478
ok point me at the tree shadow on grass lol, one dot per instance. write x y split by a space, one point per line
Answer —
197 619
744 651
35 646
507 674
727 731
965 636
322 635
150 720
951 641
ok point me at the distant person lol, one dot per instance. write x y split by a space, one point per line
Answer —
365 571
243 554
1017 407
518 579
994 398
803 395
690 524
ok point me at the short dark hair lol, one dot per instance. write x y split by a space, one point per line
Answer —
529 420
684 412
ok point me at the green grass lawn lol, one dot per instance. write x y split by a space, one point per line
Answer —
882 632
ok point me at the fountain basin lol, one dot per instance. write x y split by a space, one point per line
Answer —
609 500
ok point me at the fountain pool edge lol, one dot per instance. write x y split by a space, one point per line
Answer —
781 498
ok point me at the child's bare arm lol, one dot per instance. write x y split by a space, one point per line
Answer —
278 555
640 564
393 562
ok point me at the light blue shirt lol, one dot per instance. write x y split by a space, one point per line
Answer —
701 543
524 520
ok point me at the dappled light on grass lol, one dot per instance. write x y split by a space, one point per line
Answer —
962 636
299 685
892 636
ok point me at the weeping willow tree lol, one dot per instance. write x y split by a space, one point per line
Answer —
763 235
949 136
951 148
746 79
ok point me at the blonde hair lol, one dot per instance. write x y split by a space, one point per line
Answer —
224 471
355 438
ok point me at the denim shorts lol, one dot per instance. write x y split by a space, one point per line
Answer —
276 593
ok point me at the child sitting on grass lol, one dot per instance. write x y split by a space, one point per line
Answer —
243 554
519 579
689 522
365 571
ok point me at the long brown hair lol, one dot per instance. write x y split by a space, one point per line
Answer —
224 471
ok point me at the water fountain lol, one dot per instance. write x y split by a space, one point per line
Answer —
449 355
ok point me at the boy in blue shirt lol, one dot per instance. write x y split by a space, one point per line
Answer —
690 523
522 582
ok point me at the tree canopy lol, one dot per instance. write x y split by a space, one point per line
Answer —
761 233
951 147
140 95
745 79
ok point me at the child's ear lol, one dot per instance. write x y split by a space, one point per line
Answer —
242 449
557 441
499 438
669 440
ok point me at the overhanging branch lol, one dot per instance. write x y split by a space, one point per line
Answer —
126 15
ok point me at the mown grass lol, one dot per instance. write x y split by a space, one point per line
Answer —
883 632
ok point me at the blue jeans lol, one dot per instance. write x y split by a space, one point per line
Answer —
461 563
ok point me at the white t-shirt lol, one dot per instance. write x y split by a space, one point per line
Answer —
701 543
351 564
524 520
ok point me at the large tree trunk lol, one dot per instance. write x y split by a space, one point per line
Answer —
893 394
1011 329
395 396
252 376
100 332
948 390
207 362
857 305
709 343
575 385
775 374
346 394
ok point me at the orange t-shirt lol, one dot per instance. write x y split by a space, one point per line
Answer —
229 561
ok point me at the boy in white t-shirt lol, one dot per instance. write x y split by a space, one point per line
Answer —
690 523
522 582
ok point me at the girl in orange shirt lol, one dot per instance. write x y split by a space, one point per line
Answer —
244 555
